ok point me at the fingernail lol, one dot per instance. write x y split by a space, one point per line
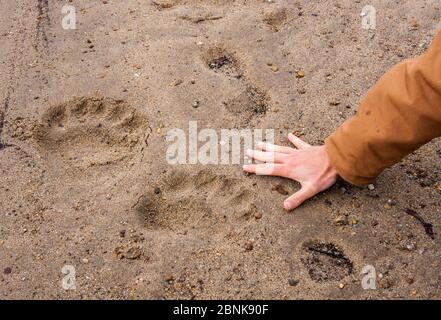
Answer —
249 152
287 205
260 144
245 167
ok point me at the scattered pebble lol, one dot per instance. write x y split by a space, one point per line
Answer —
176 83
249 246
334 103
341 220
300 74
415 25
85 260
7 270
274 68
157 190
410 280
409 245
293 282
195 104
353 222
371 187
258 215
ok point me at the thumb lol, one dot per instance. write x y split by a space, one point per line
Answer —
298 198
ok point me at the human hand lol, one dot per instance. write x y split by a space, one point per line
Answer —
308 165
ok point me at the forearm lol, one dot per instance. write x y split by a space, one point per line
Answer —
401 113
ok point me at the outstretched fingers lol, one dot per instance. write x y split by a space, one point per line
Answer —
265 146
298 198
269 157
299 143
266 169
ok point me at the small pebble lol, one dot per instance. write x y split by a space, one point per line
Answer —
249 246
195 104
371 187
7 270
410 280
293 282
334 103
176 83
391 202
410 246
341 220
353 222
300 74
386 283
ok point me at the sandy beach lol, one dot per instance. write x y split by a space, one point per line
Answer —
85 181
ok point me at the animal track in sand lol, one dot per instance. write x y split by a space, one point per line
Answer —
91 134
252 102
276 18
325 261
249 104
203 199
219 59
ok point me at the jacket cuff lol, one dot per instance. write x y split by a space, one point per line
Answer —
342 165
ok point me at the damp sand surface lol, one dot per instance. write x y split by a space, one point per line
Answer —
84 179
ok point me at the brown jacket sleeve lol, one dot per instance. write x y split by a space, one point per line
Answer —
400 113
